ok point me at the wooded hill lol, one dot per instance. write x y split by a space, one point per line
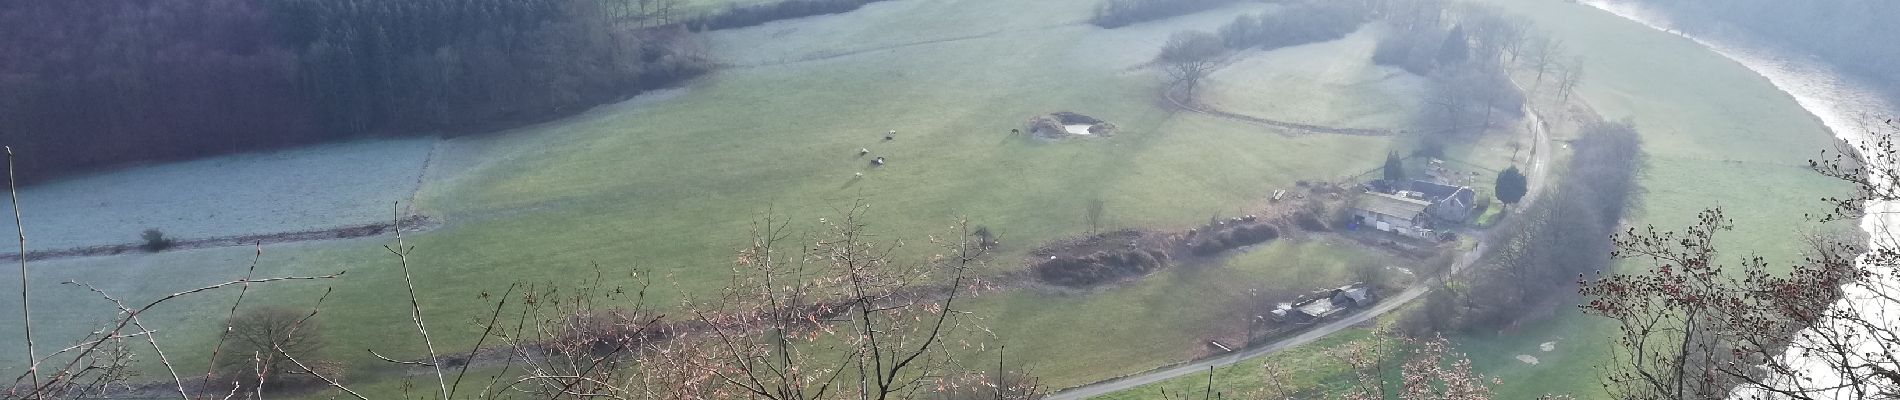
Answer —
89 84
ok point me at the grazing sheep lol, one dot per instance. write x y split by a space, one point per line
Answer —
863 151
877 161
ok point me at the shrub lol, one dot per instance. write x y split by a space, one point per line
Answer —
984 238
1298 24
1231 238
1309 221
267 338
602 333
1099 267
155 240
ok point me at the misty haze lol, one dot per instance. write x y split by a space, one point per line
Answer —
951 199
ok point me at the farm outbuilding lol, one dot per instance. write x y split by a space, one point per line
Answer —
1392 213
1322 304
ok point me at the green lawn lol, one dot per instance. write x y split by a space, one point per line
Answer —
1306 369
1281 84
1073 339
669 183
1716 134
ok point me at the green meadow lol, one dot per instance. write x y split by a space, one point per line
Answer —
668 184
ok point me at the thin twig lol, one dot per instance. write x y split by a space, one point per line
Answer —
26 314
415 307
122 323
386 358
212 364
493 319
151 337
320 376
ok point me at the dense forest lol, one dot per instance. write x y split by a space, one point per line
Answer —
88 84
1850 34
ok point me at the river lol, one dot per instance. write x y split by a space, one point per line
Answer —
1843 104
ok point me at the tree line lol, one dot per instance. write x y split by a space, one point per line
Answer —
1465 51
1537 254
1119 13
737 16
85 85
1190 56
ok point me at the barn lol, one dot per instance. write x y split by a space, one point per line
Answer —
1392 213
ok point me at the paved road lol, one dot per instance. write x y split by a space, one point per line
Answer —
1536 175
1384 306
1538 170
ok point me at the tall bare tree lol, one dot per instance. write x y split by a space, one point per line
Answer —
264 340
1188 58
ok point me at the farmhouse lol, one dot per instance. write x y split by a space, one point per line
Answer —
1392 213
1450 204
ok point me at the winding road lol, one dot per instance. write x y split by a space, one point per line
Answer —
1536 176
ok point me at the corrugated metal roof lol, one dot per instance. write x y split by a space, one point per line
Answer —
1396 206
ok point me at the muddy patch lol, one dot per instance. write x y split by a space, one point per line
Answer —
1064 124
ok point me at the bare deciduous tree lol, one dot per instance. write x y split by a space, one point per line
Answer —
1188 58
1692 326
274 335
1427 368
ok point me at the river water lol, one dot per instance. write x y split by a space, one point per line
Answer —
1846 107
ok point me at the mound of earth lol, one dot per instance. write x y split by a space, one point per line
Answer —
1112 256
1100 258
1064 124
1230 234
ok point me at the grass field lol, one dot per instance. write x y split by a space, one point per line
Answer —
1715 133
309 188
1312 368
670 181
1069 340
1280 84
